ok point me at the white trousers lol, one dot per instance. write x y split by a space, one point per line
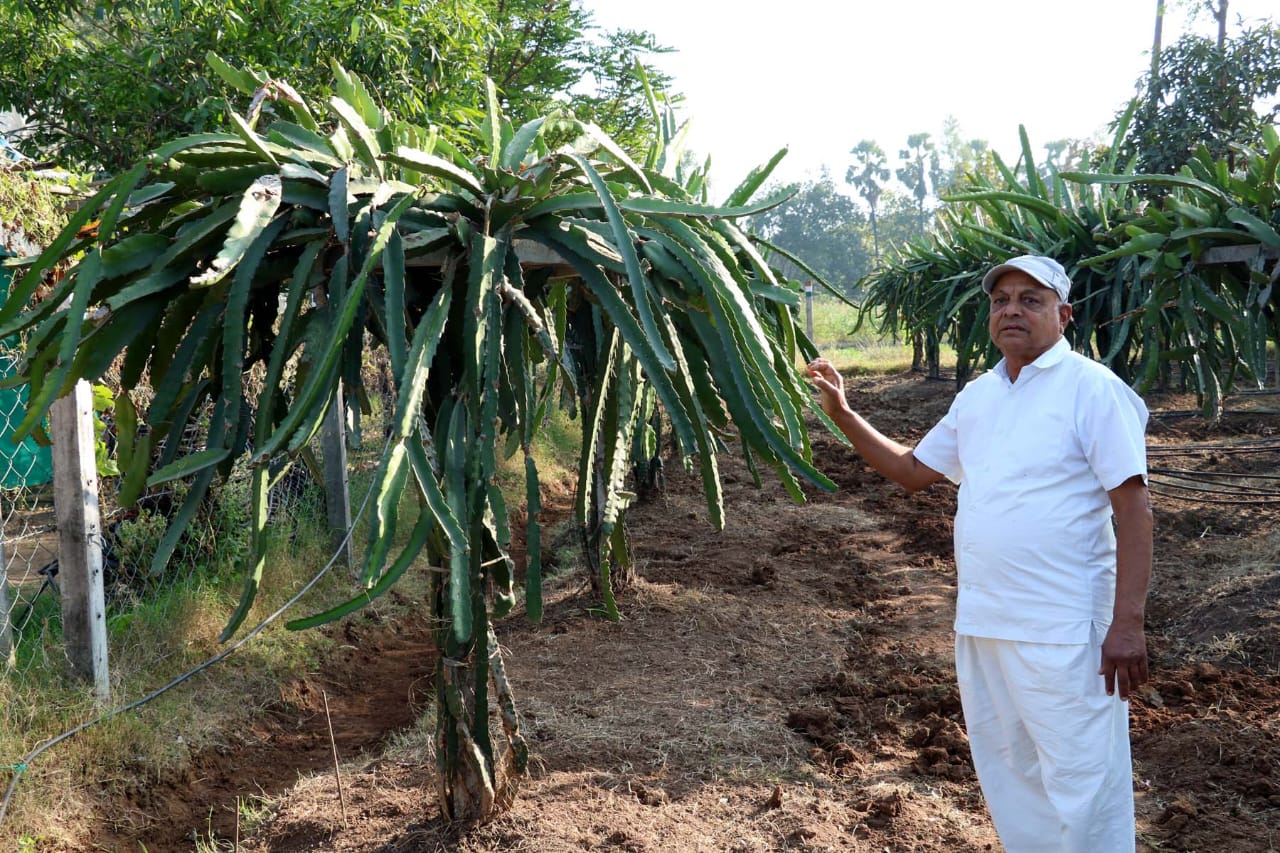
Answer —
1050 747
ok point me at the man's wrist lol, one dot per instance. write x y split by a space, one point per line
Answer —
1127 618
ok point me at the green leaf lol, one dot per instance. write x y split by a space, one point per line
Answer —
709 466
517 150
625 244
533 542
745 190
133 253
353 91
429 488
579 201
457 451
413 384
304 414
189 465
339 201
195 493
501 570
632 333
393 275
438 167
168 151
242 80
257 206
715 265
418 539
317 148
617 153
20 292
393 471
107 223
87 275
234 319
168 384
1261 231
366 144
667 207
100 347
133 475
1153 180
300 172
491 129
300 283
251 138
1019 199
1137 245
257 551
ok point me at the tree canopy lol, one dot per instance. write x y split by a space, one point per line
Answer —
104 83
824 226
1205 92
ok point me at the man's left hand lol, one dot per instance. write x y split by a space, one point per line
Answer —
1124 659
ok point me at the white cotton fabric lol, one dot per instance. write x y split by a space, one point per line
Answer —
1035 549
1051 748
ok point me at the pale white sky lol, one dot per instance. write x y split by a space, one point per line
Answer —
818 76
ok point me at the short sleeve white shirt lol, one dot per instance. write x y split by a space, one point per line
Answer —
1034 459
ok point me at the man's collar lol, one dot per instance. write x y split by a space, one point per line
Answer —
1052 355
1046 359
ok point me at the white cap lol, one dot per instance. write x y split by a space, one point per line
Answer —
1047 271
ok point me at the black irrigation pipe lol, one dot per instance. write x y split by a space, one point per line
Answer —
1179 450
21 767
1180 414
1212 487
1205 490
1199 500
1221 475
1188 491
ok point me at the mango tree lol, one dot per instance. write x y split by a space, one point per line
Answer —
271 256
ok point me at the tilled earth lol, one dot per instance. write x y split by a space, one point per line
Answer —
785 684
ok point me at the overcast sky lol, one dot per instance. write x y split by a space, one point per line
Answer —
817 76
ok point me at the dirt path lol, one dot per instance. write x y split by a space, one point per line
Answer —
783 685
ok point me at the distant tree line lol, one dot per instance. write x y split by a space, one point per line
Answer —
1219 93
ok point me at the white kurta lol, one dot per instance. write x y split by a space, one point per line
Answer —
1035 551
1036 563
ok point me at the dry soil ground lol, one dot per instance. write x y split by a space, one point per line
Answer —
783 685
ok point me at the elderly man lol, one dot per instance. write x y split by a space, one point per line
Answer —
1047 449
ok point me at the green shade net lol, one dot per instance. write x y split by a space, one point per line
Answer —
25 463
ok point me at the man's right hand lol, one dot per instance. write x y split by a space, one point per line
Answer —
830 385
893 460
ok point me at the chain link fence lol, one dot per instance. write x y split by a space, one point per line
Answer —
162 625
140 602
29 544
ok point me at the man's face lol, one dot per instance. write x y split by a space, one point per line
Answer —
1027 318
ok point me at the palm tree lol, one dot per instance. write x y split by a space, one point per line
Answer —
868 175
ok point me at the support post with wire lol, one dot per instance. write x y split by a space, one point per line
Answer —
808 309
337 496
75 496
6 624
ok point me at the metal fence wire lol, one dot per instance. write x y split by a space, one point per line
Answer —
162 623
137 598
29 539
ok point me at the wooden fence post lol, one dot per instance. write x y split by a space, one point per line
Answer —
808 309
337 498
75 505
